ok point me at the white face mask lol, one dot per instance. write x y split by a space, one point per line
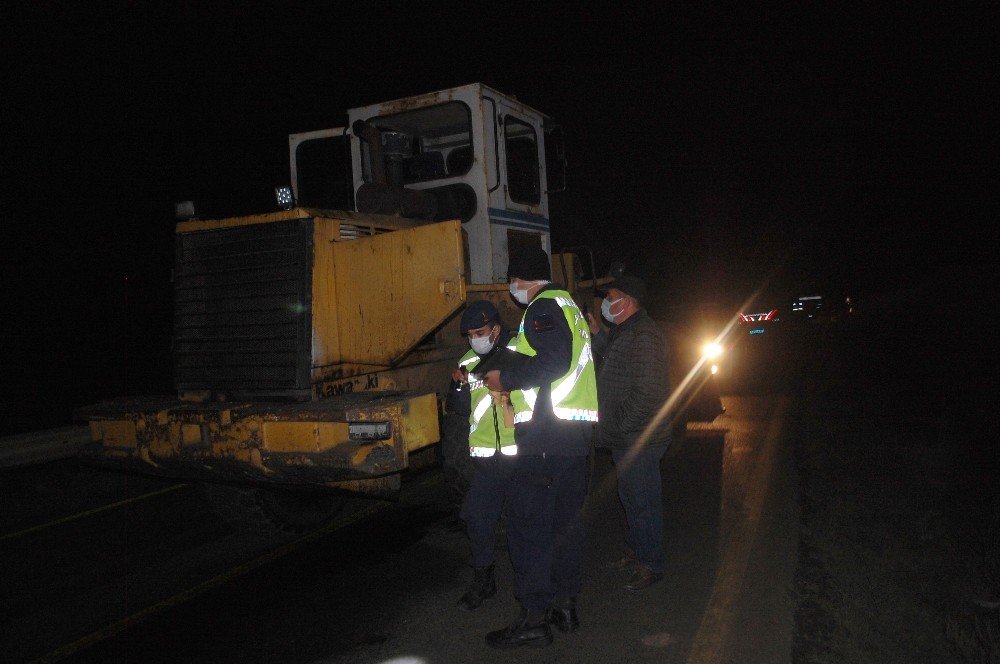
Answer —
606 305
521 295
482 345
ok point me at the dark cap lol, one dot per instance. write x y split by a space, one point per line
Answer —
477 314
529 264
629 284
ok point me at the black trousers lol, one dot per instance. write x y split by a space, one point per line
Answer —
545 532
484 505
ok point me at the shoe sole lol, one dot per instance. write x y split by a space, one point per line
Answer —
635 589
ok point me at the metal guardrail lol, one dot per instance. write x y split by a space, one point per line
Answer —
25 449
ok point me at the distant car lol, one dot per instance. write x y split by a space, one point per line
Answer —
759 323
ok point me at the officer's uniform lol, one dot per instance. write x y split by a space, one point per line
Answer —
492 448
554 393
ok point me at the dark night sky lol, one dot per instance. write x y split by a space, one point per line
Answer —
705 147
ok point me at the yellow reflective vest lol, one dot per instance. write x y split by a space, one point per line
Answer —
574 395
488 432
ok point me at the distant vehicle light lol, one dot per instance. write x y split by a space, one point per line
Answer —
715 369
764 317
711 350
286 201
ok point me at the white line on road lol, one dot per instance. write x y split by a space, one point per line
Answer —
96 510
716 621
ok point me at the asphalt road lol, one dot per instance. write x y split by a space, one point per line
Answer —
104 567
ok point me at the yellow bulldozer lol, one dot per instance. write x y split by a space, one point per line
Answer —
311 342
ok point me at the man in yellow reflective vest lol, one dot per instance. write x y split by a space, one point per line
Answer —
491 444
554 393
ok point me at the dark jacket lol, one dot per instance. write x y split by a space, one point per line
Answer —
633 382
548 333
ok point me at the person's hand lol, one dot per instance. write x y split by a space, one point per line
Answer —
459 376
493 381
595 325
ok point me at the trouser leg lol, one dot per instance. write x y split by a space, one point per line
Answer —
529 531
570 488
640 488
484 504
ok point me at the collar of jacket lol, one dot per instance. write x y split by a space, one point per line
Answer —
639 313
549 286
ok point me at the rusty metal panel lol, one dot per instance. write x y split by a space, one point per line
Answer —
386 486
291 443
325 333
191 434
330 434
290 436
420 422
393 289
303 436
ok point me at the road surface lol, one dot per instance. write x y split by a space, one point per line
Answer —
105 567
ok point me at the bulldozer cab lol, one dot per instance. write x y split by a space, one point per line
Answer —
468 153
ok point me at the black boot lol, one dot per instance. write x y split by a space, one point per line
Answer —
561 614
530 629
483 586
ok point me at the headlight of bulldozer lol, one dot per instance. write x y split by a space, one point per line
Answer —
286 200
369 430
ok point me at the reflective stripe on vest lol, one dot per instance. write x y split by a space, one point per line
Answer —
483 440
481 408
574 395
507 450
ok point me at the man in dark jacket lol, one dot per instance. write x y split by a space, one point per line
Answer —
554 393
633 383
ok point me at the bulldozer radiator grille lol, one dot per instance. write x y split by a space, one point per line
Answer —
242 303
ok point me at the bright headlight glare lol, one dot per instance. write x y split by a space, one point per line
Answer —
711 350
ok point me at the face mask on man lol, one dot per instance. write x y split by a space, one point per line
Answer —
521 294
606 305
483 345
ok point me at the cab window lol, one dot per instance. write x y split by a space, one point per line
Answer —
324 174
521 147
424 144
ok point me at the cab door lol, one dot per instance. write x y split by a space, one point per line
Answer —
521 149
519 210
